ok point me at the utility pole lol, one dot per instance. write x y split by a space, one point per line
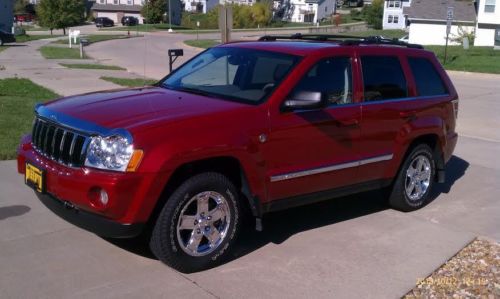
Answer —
169 16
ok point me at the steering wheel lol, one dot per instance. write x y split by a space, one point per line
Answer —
267 87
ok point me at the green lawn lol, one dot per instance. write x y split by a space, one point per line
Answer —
60 53
476 59
3 48
144 28
393 33
94 38
28 38
91 66
130 82
17 99
201 43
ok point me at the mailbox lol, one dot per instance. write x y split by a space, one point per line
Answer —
175 52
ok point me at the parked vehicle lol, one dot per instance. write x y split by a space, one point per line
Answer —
6 37
104 22
129 21
253 127
23 18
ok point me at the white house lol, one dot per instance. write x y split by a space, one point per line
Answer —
394 17
116 9
305 11
488 23
427 20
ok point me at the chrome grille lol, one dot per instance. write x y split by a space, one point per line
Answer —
59 143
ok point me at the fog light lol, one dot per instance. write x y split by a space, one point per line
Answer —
98 198
103 197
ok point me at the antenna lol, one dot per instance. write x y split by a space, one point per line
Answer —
145 44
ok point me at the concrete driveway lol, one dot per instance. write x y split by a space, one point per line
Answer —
352 247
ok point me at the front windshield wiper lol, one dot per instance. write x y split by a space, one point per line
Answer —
190 90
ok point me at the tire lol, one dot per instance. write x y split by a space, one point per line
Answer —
1 41
181 224
415 180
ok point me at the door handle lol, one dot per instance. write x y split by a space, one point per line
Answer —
410 115
347 122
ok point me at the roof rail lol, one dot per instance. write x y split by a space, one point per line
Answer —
343 39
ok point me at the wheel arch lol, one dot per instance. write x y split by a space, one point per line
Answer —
229 166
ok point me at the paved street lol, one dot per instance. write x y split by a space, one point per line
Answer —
352 247
23 60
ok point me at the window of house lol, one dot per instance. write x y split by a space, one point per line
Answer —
101 1
390 19
383 78
489 6
427 79
396 19
332 77
129 2
393 3
115 1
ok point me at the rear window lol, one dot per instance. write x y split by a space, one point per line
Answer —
427 79
383 78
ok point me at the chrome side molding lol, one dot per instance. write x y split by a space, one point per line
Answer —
298 174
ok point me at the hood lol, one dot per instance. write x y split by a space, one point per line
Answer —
135 107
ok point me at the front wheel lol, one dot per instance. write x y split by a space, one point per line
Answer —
198 224
415 179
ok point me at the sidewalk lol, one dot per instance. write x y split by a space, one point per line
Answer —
25 61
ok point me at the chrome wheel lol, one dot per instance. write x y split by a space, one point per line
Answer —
203 223
418 177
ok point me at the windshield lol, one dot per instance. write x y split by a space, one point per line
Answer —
238 74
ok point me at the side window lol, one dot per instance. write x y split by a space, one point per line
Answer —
427 79
383 78
332 77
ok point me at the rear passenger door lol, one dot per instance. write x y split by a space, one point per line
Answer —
385 110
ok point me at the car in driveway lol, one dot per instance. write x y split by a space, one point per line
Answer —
6 37
129 21
104 22
241 130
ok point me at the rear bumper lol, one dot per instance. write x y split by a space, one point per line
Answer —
89 221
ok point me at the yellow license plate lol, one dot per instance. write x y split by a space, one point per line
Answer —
35 177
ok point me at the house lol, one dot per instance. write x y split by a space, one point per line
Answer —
116 9
394 18
305 11
6 15
427 19
488 23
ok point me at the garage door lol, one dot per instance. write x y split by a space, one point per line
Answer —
111 15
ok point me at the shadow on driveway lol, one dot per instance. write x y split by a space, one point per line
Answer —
279 226
13 211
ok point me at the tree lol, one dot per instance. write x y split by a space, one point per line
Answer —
20 6
153 11
60 14
374 13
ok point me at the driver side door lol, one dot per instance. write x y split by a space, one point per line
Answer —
313 150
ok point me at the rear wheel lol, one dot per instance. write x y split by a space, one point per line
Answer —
414 181
198 224
1 41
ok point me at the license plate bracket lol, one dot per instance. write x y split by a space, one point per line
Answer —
35 177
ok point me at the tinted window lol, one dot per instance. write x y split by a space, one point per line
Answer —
383 78
428 81
332 77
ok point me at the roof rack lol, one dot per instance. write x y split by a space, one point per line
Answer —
348 40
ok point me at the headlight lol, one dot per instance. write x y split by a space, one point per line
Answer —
110 153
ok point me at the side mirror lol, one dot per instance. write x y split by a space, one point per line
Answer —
304 100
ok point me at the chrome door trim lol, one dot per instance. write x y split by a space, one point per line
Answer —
298 174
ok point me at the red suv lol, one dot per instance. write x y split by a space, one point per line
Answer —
250 126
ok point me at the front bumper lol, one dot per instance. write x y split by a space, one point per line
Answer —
89 221
132 196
